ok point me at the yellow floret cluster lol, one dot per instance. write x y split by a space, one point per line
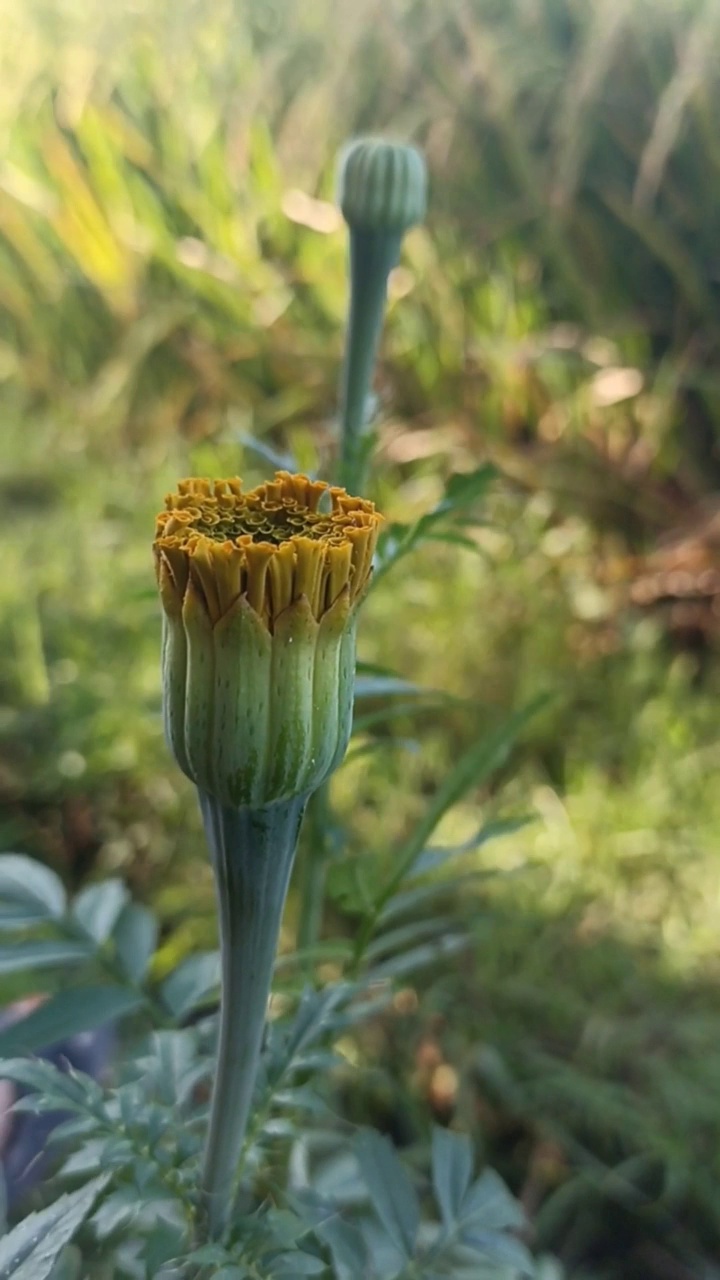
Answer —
272 545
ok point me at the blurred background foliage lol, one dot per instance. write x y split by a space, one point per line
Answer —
172 296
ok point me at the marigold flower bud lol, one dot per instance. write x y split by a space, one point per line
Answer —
259 591
382 192
382 185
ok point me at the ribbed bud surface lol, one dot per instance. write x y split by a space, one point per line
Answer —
382 186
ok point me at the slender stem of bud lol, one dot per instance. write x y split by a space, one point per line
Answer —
373 254
252 852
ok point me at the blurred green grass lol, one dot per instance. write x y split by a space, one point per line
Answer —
172 282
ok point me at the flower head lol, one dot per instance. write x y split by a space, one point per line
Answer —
272 546
259 591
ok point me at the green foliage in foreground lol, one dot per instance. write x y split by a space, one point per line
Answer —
327 1203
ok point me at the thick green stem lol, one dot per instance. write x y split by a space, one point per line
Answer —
252 852
373 254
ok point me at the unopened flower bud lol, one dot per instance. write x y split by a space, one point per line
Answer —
382 186
382 192
260 592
